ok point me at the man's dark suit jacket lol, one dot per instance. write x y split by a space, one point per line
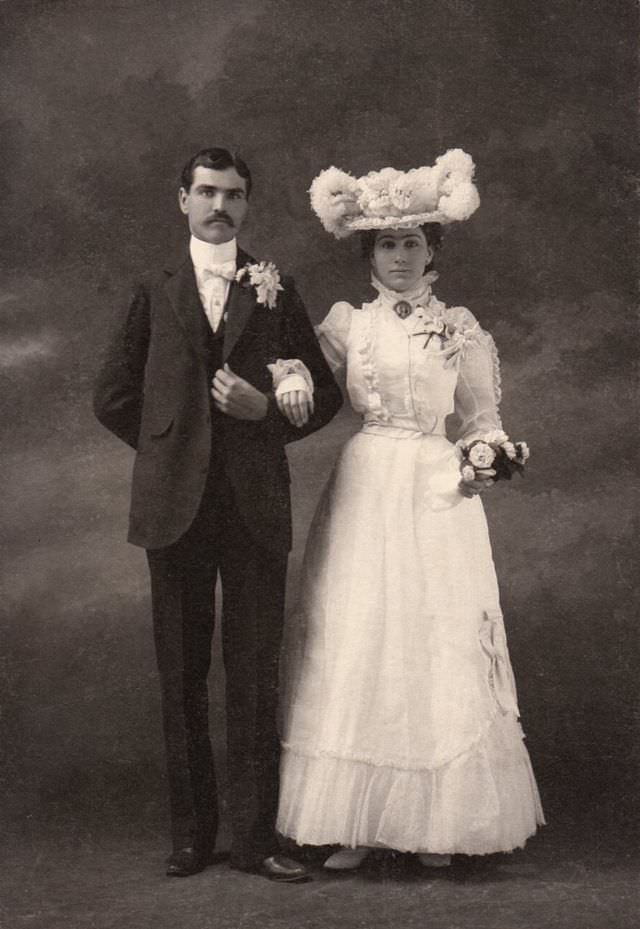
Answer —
153 392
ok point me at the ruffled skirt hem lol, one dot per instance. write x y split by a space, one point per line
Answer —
483 802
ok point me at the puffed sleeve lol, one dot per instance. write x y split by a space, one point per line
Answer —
333 334
477 395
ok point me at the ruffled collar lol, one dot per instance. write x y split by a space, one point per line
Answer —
416 296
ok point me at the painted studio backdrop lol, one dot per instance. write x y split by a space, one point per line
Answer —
102 103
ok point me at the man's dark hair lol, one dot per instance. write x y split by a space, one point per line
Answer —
432 233
218 159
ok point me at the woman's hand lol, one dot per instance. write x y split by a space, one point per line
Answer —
482 481
296 406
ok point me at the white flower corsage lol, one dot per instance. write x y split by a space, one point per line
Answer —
494 456
453 339
265 277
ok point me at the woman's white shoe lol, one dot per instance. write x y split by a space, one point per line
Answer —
347 859
434 861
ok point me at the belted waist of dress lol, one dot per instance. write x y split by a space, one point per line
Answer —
396 429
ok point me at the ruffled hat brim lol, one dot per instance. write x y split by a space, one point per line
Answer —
413 221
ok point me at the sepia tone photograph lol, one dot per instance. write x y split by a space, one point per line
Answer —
319 396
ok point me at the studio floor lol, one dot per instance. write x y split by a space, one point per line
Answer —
118 882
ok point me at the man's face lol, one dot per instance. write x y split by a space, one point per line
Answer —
216 204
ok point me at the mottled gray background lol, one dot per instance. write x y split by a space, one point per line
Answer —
102 103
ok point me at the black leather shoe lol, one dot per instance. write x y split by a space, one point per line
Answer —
187 861
283 869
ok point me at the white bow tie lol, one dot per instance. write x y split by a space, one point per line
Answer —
226 270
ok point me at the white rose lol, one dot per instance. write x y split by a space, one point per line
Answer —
481 455
468 473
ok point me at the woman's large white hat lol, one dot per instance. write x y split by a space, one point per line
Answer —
444 193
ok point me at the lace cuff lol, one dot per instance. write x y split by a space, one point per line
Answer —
291 374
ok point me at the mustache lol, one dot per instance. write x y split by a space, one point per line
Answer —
221 217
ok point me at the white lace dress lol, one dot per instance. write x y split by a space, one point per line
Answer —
399 716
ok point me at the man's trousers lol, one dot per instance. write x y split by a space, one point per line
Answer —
183 578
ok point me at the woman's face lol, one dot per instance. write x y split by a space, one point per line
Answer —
399 257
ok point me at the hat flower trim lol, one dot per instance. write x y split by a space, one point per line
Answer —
443 193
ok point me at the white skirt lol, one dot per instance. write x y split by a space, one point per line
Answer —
399 714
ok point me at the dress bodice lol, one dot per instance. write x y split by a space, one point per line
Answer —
410 374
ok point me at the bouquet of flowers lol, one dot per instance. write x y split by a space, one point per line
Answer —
494 456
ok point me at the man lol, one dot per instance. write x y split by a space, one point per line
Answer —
186 384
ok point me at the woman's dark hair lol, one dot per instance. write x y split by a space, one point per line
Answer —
218 159
432 233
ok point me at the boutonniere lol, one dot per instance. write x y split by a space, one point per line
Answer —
265 277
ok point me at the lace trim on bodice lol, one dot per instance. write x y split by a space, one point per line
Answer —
377 409
497 377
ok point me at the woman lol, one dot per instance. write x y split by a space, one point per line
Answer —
400 724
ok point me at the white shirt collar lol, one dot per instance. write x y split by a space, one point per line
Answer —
205 254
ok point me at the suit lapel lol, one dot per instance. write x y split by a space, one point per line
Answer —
240 305
182 291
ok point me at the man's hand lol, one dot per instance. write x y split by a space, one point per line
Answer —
296 405
236 397
481 483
